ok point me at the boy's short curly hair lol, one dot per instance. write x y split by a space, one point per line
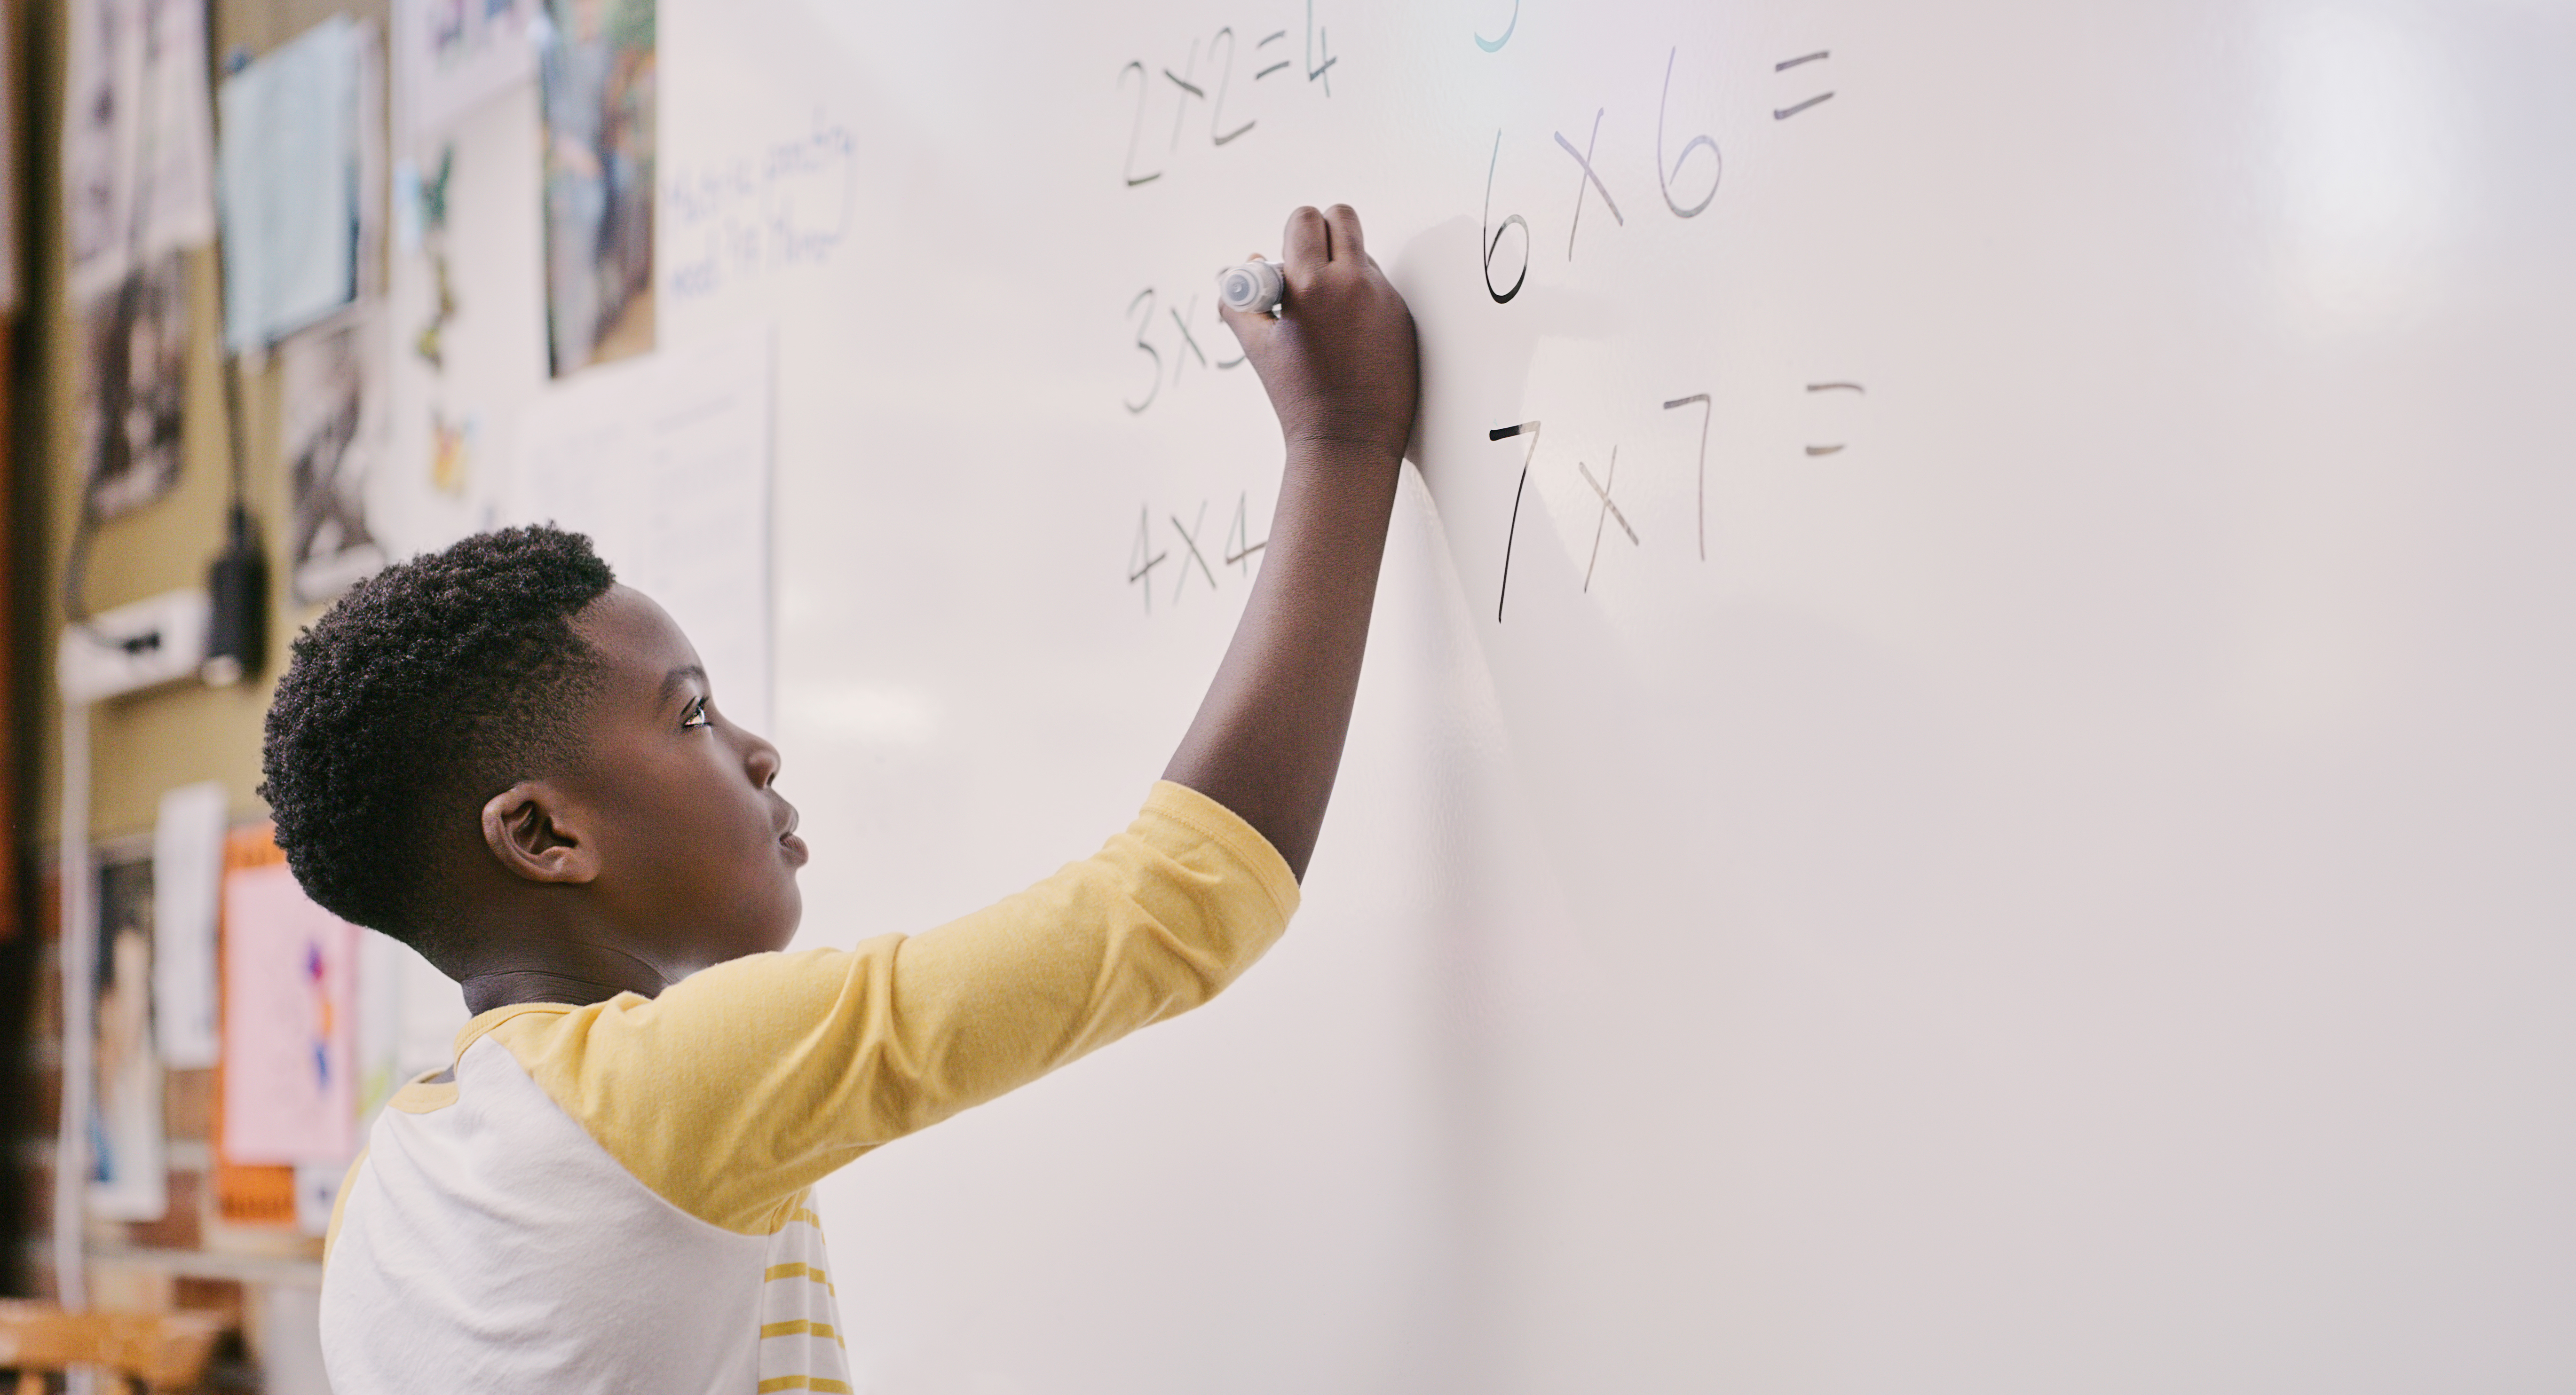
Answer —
430 687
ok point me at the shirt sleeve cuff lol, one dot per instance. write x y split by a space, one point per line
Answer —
1218 825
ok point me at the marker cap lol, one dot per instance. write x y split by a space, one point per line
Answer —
1253 286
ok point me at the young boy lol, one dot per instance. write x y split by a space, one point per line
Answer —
502 757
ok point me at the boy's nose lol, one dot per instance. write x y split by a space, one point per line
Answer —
763 762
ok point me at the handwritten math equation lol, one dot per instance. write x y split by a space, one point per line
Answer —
1689 170
784 206
1219 89
1686 185
1601 478
1174 339
1189 550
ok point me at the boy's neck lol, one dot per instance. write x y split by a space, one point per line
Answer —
557 971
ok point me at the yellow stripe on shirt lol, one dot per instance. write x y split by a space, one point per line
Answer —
799 1271
819 1383
798 1327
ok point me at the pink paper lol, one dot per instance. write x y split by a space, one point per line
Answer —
290 978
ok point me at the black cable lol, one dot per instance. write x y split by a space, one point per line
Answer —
237 580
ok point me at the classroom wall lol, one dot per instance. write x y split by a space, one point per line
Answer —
144 745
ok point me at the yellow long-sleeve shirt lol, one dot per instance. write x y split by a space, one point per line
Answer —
614 1197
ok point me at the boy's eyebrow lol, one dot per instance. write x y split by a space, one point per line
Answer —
678 678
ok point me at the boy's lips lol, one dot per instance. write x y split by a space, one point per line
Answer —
787 839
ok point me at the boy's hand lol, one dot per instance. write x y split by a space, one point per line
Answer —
1339 360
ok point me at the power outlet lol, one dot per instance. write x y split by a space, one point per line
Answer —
133 647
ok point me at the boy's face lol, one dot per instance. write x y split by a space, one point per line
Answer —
697 854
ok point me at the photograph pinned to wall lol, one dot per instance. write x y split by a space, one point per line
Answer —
595 68
134 369
128 1181
290 1043
332 406
138 138
452 56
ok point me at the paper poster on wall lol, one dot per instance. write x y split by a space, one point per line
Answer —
379 1021
431 1012
451 56
187 879
292 188
332 405
128 1181
452 438
134 388
665 464
467 340
138 137
290 1048
595 65
408 1017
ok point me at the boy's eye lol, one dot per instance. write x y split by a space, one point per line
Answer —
697 715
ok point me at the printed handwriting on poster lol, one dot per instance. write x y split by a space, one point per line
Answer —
1219 90
784 207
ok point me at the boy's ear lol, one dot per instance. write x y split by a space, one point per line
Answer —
535 833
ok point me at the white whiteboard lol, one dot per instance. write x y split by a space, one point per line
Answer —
2067 892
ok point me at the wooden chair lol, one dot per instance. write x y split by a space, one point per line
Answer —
156 1352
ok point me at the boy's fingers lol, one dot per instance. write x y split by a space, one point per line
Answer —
1306 244
1344 223
1252 329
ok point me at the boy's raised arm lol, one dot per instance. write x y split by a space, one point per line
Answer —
1339 366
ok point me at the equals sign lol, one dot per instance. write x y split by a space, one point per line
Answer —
1784 65
1836 448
